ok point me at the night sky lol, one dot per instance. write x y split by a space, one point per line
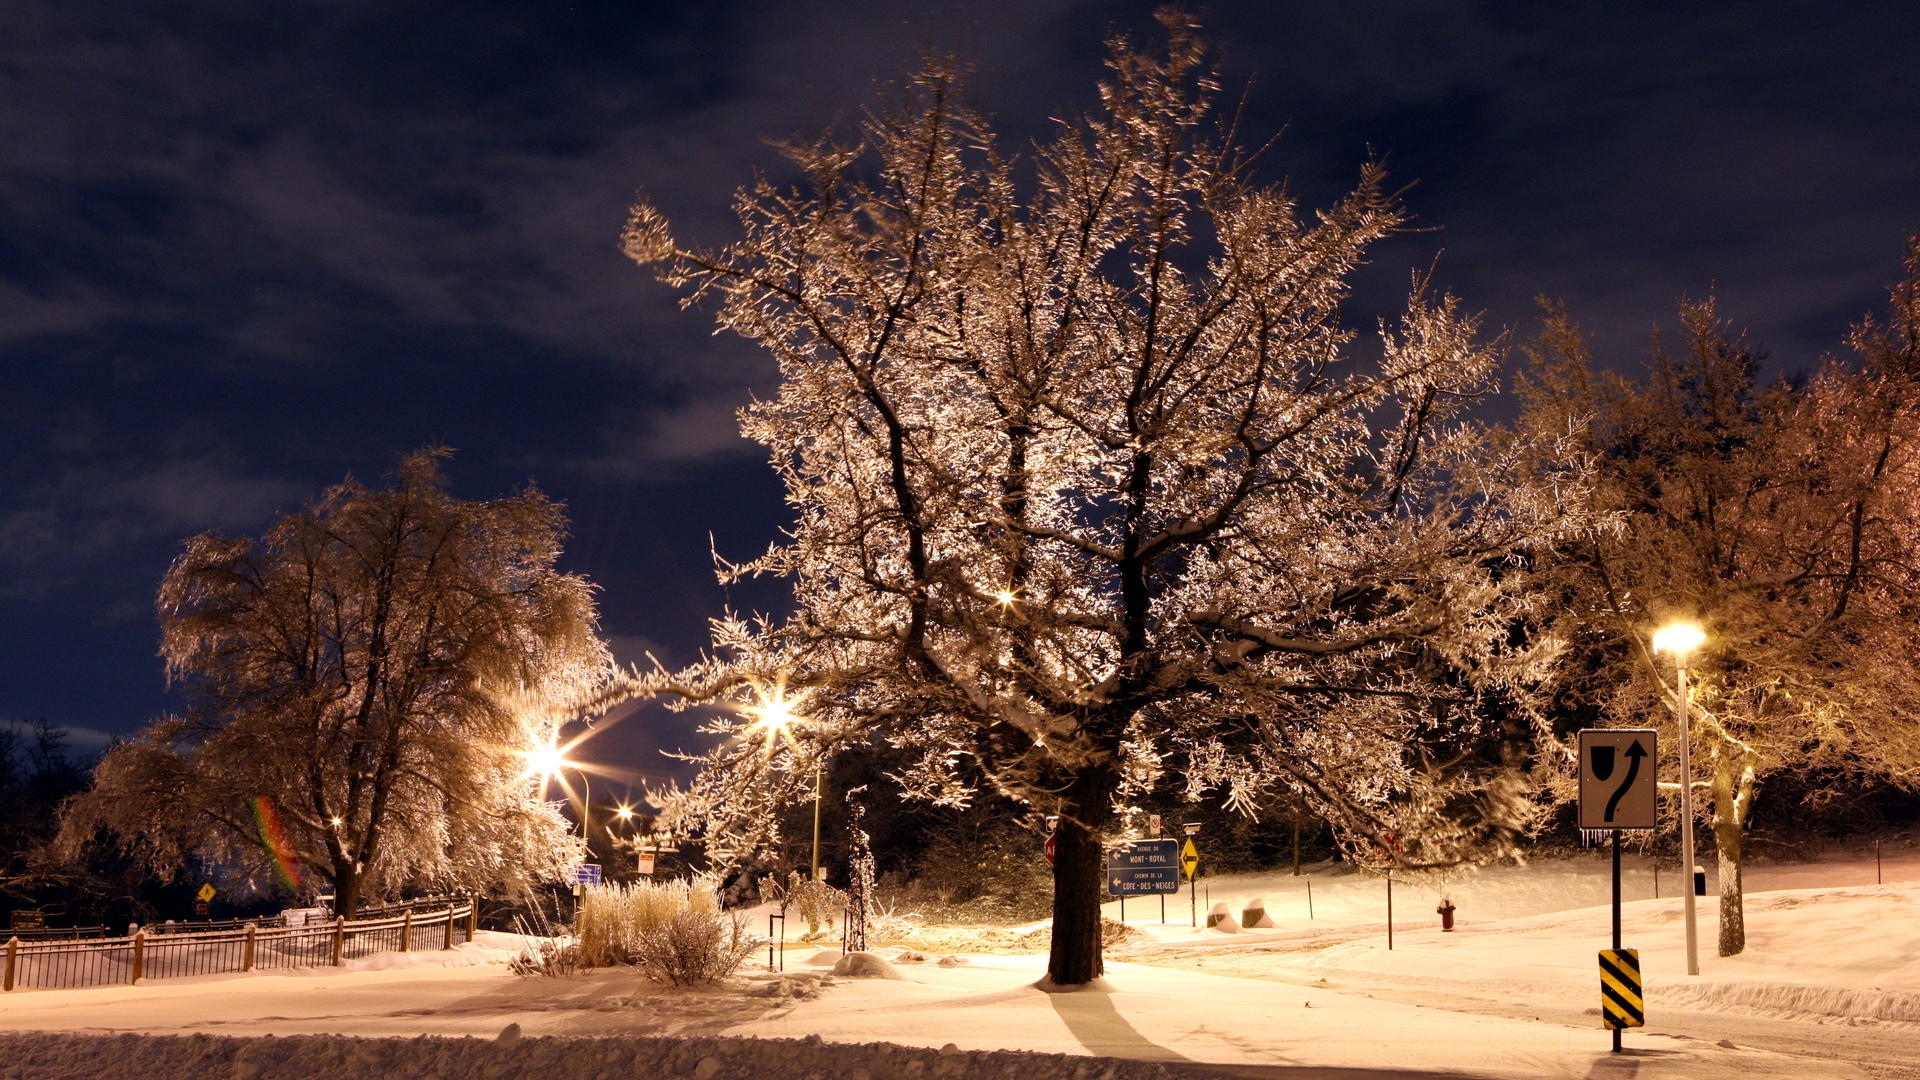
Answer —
247 248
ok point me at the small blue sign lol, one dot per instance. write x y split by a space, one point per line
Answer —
1143 866
586 874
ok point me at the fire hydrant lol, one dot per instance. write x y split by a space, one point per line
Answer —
1445 911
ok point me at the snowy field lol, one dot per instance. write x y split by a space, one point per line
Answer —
1830 987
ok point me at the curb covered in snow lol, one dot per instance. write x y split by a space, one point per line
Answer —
332 1057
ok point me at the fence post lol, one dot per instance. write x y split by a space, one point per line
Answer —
406 932
446 938
473 917
13 951
139 954
246 954
339 938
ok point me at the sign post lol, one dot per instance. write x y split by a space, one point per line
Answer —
1190 863
1617 792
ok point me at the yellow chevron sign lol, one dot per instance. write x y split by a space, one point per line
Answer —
1189 859
1622 1004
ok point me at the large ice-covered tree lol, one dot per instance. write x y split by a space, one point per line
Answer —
364 682
1091 483
1783 518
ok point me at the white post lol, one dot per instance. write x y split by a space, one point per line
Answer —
1686 819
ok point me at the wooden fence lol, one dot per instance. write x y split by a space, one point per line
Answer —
151 954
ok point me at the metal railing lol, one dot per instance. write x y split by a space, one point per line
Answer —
176 953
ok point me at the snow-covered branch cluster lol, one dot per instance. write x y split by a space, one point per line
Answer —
1092 484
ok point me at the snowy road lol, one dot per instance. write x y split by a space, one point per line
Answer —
1831 988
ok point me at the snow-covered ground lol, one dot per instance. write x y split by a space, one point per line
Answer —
1830 987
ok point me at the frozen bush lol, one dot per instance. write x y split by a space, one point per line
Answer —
612 919
695 947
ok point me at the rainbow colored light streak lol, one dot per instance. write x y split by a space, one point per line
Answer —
273 837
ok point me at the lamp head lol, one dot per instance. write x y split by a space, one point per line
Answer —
1678 639
544 761
773 714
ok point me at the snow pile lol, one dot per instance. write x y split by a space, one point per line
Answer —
322 1057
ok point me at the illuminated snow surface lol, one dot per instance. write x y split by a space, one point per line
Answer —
1830 987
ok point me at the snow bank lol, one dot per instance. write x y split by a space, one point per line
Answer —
323 1057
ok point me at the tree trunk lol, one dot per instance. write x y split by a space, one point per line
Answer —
1733 779
346 891
1296 843
1073 958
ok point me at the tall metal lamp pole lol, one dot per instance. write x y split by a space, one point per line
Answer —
1681 639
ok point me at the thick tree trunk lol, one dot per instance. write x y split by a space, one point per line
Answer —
346 892
1073 958
1733 779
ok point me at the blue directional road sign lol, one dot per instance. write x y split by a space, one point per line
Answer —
586 874
1143 866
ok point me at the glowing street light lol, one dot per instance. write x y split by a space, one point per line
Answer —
1006 597
546 762
1681 639
774 715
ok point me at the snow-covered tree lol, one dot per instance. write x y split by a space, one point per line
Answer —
364 682
1091 483
1783 519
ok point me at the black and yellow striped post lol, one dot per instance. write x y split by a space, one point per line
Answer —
1622 1002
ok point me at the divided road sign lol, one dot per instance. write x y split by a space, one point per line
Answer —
1622 1002
1617 772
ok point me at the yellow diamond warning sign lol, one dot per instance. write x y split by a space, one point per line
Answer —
205 894
1189 859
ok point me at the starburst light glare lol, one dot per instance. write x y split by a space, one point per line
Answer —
623 812
1678 638
1005 596
335 822
544 761
774 713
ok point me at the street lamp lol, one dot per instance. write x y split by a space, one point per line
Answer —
1681 639
546 763
775 716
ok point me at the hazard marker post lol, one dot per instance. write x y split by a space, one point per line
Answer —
1617 792
1190 865
1622 1001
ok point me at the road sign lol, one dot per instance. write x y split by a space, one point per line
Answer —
206 893
643 864
1153 824
1617 768
1143 866
1049 849
1189 860
586 874
1622 1004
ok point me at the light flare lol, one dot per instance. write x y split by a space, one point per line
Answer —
276 843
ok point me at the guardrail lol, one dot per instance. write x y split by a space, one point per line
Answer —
150 954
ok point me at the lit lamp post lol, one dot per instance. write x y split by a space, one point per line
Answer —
546 763
775 716
1681 639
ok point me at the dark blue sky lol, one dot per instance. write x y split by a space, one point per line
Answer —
247 248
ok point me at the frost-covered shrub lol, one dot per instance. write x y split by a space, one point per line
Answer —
817 902
613 919
695 947
546 956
